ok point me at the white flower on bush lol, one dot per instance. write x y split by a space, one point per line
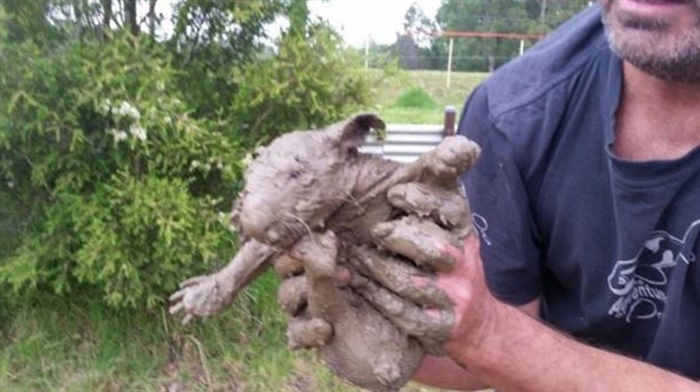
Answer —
127 110
118 135
105 107
138 132
247 160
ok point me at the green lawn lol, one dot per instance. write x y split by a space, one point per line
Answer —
434 83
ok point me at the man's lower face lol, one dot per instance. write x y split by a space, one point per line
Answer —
661 37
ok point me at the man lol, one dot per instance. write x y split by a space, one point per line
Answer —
587 204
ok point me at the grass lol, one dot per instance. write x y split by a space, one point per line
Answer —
66 345
55 344
416 98
389 93
61 345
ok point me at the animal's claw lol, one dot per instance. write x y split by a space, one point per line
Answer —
198 296
193 281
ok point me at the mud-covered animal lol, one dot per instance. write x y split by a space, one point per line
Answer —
314 193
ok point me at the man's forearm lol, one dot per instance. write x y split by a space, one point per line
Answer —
519 353
444 373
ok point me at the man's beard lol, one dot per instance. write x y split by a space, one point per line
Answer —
677 62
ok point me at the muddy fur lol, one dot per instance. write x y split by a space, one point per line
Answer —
313 192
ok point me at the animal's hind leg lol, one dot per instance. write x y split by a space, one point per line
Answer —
318 253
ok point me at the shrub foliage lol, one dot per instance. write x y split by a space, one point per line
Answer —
108 182
120 154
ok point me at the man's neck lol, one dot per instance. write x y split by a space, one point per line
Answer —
656 119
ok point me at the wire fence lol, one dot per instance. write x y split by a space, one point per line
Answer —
468 54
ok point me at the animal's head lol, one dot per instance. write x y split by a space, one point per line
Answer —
296 182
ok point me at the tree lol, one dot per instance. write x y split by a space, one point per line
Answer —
213 37
505 16
412 47
417 24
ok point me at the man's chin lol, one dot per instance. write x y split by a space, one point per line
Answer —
654 45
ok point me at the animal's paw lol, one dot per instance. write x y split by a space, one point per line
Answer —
318 253
198 296
308 333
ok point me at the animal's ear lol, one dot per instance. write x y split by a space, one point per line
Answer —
352 134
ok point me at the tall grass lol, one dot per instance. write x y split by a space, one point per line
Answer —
55 344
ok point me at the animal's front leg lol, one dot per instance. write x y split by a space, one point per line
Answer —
198 296
207 295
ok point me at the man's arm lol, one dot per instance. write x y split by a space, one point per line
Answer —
444 373
509 350
522 354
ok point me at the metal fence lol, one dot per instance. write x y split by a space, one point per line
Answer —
405 142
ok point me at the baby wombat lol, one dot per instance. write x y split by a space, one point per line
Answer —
305 183
313 191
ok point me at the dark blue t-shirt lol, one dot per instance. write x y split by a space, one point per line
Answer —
609 245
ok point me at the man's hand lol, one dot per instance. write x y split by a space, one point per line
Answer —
510 350
445 311
473 305
406 288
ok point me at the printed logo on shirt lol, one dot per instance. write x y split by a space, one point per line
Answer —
640 283
481 225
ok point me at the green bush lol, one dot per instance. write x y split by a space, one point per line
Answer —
108 186
110 183
415 97
312 81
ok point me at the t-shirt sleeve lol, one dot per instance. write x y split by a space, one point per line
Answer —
501 208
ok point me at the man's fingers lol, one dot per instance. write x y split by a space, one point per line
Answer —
431 331
447 207
469 250
292 295
186 320
414 239
308 333
399 277
342 277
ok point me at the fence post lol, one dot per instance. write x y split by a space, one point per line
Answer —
367 52
449 63
449 122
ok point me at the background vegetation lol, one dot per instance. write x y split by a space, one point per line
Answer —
416 49
120 155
